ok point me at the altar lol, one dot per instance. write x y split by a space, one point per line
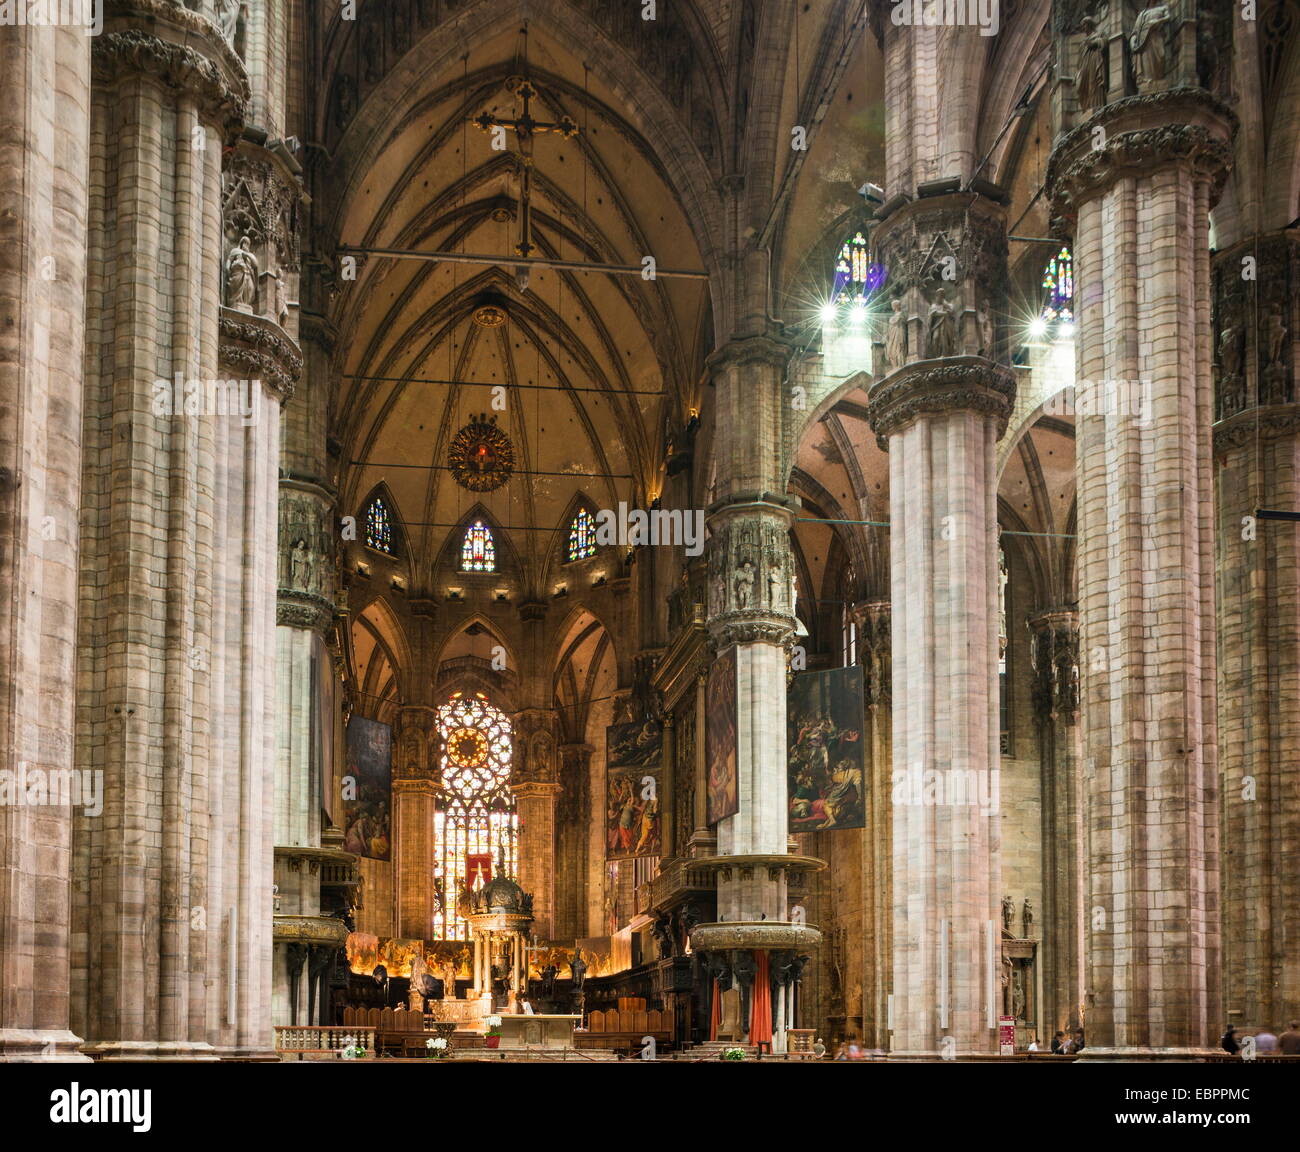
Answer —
524 1031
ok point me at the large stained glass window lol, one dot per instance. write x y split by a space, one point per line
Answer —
475 827
1058 279
582 536
379 527
478 553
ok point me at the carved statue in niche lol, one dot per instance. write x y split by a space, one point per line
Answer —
241 276
228 19
345 100
1149 45
1090 84
280 298
896 336
1276 331
1027 919
943 328
775 582
984 322
744 583
302 566
1008 913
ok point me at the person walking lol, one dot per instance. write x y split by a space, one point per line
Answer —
1228 1042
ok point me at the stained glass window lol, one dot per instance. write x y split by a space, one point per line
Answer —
478 553
1058 279
856 277
582 536
379 527
475 826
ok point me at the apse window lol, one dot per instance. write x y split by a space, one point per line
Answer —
478 553
378 521
475 826
582 536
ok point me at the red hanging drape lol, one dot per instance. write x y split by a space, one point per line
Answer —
715 1011
760 1016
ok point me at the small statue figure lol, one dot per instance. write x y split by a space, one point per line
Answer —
300 565
1090 84
984 322
744 583
1230 348
896 336
1027 919
1275 327
1149 47
281 300
774 582
578 969
1008 912
943 328
241 276
228 19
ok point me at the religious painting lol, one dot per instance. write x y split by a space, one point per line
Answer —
825 761
720 738
367 796
362 951
633 757
396 954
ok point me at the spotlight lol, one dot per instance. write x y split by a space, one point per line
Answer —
858 315
829 315
1038 328
1066 331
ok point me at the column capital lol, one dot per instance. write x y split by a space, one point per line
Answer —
746 350
930 387
181 49
1054 657
1137 135
752 589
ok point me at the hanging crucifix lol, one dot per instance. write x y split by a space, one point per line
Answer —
525 128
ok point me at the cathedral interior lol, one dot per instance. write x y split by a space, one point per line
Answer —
649 529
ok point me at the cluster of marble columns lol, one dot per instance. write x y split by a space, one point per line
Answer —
504 949
1133 175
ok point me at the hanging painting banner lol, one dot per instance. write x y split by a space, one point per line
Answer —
720 738
825 769
367 797
633 757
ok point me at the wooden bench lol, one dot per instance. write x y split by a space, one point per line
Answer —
625 1029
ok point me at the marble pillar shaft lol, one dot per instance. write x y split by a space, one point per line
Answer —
1140 207
177 573
44 131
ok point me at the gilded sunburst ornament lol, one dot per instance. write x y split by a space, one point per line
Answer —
482 457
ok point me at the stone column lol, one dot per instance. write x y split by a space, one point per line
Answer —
1256 295
45 92
1134 175
173 885
536 790
415 791
1054 653
751 623
573 814
941 413
875 656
